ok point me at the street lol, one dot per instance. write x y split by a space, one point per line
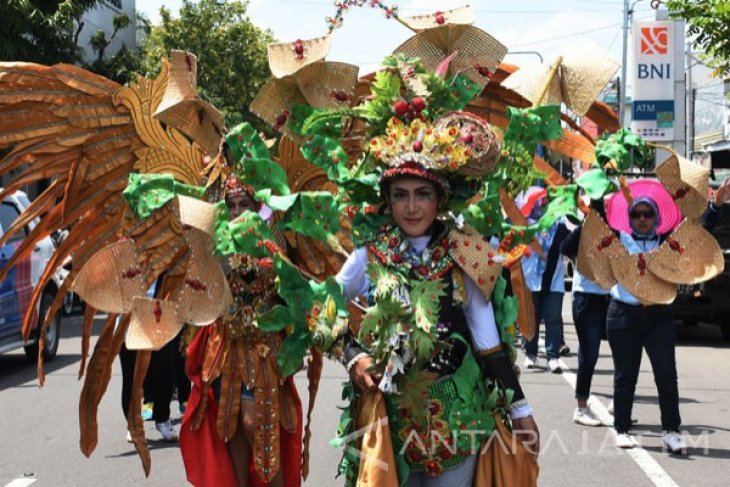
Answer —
40 426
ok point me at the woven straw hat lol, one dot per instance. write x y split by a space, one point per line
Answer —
475 256
202 295
289 57
598 245
484 144
154 323
111 278
321 84
475 49
688 256
327 84
579 81
461 15
641 282
617 208
687 183
182 109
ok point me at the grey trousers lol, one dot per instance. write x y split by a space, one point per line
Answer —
461 475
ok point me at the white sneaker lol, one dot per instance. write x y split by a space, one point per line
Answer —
531 362
585 417
554 366
167 431
129 437
674 442
625 440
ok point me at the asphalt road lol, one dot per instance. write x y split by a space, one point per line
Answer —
39 427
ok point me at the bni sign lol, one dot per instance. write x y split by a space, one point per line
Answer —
652 114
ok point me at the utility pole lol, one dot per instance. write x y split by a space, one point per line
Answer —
624 62
690 108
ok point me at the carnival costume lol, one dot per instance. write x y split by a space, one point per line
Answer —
232 361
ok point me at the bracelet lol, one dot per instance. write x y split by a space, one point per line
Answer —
354 360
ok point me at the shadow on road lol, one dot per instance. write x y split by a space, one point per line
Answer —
17 371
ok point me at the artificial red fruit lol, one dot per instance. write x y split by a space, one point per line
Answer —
417 146
418 104
299 48
467 138
400 107
440 19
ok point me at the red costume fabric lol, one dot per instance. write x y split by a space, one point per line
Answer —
205 454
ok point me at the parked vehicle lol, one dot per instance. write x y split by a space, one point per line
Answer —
709 302
19 284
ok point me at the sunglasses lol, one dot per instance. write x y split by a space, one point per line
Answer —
635 215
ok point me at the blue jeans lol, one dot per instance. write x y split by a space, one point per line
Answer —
589 317
548 307
630 329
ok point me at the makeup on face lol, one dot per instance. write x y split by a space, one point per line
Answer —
414 205
238 204
637 214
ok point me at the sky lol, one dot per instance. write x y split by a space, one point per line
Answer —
545 27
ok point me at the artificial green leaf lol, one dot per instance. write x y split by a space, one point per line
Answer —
561 203
595 183
146 193
264 173
485 215
425 296
365 226
328 154
360 190
381 319
325 122
245 143
463 90
386 85
276 203
276 319
292 351
422 344
384 282
314 214
293 288
624 149
536 124
244 235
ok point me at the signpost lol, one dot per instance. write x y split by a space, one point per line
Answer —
653 110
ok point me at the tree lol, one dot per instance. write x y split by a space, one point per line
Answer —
231 51
41 31
709 22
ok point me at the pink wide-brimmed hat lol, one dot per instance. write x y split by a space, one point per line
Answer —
617 208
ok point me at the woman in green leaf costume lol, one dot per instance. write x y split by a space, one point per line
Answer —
430 342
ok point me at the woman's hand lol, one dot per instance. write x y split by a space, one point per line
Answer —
360 375
722 194
525 429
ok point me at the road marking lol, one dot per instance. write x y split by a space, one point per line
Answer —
21 482
641 457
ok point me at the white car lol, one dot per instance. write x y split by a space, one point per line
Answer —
20 282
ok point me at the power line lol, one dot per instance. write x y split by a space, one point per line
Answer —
575 34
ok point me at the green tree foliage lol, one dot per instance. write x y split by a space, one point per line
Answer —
231 51
709 22
41 31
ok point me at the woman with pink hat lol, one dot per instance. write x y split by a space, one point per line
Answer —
642 225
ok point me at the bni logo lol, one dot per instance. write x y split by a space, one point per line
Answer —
654 40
